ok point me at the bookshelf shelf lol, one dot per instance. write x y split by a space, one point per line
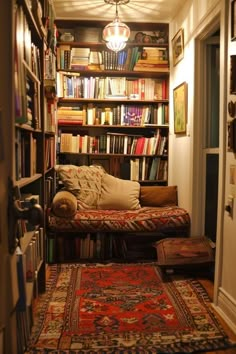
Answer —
106 126
117 73
107 100
76 44
28 180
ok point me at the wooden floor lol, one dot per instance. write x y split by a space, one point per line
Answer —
209 286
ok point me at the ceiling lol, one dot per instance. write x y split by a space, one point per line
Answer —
134 10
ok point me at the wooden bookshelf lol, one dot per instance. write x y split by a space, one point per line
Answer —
34 149
107 100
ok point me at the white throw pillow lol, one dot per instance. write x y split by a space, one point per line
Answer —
119 194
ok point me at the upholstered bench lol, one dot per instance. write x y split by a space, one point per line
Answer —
93 201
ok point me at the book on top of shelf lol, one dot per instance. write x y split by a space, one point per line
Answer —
154 67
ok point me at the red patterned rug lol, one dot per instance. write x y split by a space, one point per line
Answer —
123 308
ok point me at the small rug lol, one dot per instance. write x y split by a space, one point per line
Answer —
123 308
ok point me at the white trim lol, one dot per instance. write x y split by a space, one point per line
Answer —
224 21
199 137
226 308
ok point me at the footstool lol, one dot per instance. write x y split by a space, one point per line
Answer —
184 253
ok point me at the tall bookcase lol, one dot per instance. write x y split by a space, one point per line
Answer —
113 107
33 183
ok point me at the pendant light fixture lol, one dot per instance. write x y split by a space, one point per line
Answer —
116 33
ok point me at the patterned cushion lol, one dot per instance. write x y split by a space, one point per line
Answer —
172 220
84 182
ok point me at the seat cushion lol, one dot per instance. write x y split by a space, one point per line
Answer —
147 219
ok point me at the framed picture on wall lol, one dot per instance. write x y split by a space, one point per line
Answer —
180 108
233 20
178 46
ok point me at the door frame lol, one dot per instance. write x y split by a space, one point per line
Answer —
199 172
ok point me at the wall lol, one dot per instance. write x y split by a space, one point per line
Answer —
182 147
195 17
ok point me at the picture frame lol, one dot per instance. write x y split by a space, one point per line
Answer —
233 20
178 46
180 108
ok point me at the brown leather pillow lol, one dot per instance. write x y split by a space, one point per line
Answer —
155 196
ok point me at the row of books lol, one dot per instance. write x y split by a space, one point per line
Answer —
152 59
29 254
49 64
27 73
50 110
24 322
146 169
50 190
50 151
33 113
87 246
33 252
125 115
132 58
97 246
112 143
26 154
74 86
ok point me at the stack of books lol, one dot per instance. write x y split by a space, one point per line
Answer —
79 58
153 59
71 115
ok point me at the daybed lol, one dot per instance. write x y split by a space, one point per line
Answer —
93 201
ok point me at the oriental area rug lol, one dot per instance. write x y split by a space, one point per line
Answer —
123 308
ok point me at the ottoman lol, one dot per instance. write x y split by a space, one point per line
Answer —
184 253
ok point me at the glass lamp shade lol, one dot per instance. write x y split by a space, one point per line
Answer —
116 34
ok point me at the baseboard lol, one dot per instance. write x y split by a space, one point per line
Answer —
226 308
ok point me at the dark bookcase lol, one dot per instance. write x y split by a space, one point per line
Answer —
34 149
113 108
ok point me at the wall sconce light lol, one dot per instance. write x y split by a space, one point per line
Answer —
116 33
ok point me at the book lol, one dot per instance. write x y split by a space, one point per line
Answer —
69 121
154 169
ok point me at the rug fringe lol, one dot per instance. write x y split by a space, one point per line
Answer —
175 348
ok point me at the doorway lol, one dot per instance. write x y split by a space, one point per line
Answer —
211 47
206 139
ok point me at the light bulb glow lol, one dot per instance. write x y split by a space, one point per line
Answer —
116 34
